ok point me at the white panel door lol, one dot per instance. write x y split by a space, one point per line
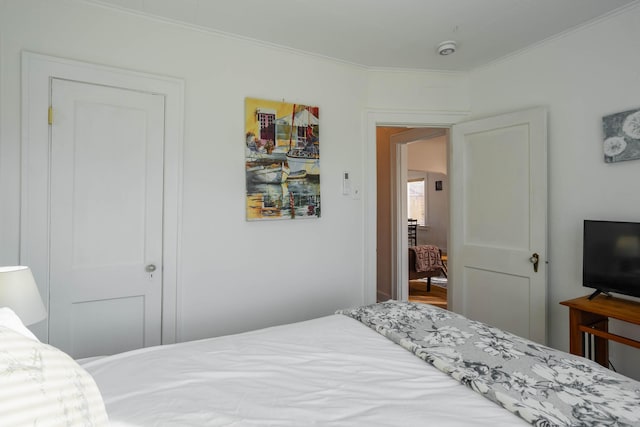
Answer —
499 211
106 218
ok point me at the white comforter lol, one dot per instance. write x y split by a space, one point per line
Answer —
331 371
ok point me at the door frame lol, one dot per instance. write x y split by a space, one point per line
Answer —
399 215
373 119
37 71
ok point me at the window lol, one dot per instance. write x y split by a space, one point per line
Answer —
417 206
266 118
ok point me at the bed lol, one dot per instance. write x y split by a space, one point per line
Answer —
386 364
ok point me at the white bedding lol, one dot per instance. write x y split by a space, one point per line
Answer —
331 371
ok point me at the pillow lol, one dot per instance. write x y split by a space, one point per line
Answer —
42 386
9 319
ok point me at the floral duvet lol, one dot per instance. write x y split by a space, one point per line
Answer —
545 387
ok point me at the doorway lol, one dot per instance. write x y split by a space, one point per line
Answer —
403 121
404 153
511 150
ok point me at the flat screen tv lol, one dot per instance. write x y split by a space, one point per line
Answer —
611 257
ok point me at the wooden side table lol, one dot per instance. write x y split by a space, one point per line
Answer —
592 317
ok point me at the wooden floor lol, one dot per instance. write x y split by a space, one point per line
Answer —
418 293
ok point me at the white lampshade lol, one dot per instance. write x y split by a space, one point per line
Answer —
19 292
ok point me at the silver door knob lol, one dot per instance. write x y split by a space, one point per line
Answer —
150 268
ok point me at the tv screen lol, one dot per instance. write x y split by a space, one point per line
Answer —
611 257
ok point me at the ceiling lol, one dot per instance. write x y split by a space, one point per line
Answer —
387 33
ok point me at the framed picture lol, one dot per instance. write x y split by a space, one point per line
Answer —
621 136
282 160
438 185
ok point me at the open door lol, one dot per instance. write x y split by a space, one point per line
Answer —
499 221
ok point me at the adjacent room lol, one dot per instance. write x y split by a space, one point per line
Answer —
421 167
238 212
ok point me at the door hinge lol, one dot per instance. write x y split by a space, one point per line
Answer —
50 115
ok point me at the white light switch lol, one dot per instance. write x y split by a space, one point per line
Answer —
346 184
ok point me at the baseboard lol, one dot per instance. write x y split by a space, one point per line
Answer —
382 296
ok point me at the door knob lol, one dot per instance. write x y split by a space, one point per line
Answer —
535 260
150 268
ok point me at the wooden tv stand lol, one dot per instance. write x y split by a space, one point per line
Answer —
592 317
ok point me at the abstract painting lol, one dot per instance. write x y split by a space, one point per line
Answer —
282 160
621 136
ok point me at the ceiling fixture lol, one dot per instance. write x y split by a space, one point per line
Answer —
447 48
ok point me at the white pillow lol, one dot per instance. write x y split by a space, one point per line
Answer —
42 386
9 319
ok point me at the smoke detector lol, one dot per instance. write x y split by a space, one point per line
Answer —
447 48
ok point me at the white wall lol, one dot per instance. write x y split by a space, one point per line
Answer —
415 91
580 77
428 155
438 213
233 275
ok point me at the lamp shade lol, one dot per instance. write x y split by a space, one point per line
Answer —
19 292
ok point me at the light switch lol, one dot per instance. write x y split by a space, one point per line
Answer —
346 184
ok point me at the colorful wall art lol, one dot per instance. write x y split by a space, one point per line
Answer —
621 136
282 160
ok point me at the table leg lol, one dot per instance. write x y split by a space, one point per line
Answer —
576 338
579 318
602 344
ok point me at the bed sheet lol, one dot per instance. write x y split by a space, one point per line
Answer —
331 371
